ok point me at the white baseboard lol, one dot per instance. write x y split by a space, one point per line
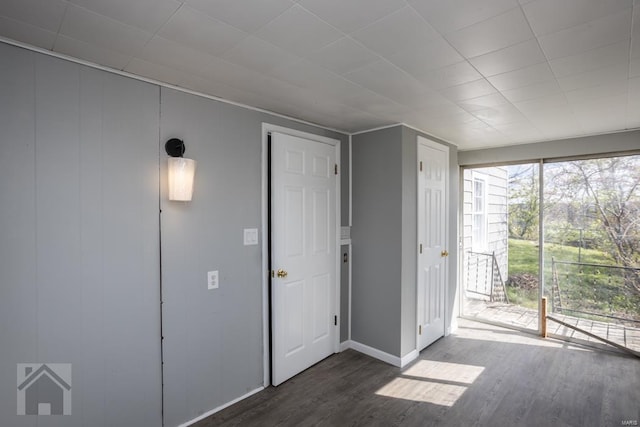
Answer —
409 357
220 408
375 353
400 362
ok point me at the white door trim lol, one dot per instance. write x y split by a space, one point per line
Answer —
421 140
266 129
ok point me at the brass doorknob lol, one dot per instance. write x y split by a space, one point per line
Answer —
281 273
444 253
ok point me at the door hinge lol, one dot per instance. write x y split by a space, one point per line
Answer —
419 329
420 166
420 247
336 169
335 320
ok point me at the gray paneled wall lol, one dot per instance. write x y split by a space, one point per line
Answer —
79 266
376 236
213 338
80 173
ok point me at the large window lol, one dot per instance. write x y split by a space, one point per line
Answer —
589 210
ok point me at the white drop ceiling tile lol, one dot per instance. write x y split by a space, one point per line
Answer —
538 90
259 55
549 16
469 90
593 34
90 27
482 102
634 68
299 31
602 115
45 14
91 53
518 128
493 116
403 29
601 127
342 56
523 77
546 104
188 81
635 47
248 15
378 105
307 75
154 71
433 55
351 15
26 33
633 114
617 53
387 80
492 34
589 93
201 32
509 59
598 77
605 108
148 15
451 75
174 55
451 15
634 88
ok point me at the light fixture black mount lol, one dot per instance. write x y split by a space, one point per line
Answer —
175 147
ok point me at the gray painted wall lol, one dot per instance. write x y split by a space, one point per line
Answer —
376 237
598 144
79 265
384 239
213 338
81 166
409 241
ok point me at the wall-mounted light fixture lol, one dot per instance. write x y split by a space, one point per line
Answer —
181 171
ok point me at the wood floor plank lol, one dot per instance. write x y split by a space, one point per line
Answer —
482 375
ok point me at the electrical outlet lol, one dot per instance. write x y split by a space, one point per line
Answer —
212 280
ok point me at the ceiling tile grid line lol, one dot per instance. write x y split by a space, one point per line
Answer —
476 73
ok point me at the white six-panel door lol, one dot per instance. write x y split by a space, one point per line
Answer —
433 163
303 253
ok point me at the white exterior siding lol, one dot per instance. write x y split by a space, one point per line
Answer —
493 216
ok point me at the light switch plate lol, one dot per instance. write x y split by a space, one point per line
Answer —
250 236
212 280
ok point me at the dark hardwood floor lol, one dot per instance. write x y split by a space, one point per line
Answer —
480 376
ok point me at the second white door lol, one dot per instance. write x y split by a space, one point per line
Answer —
303 253
433 168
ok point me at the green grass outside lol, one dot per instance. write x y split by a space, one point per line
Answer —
592 289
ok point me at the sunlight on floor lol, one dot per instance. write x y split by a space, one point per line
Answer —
513 337
430 381
444 371
422 391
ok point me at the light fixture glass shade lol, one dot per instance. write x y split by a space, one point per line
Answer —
181 173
